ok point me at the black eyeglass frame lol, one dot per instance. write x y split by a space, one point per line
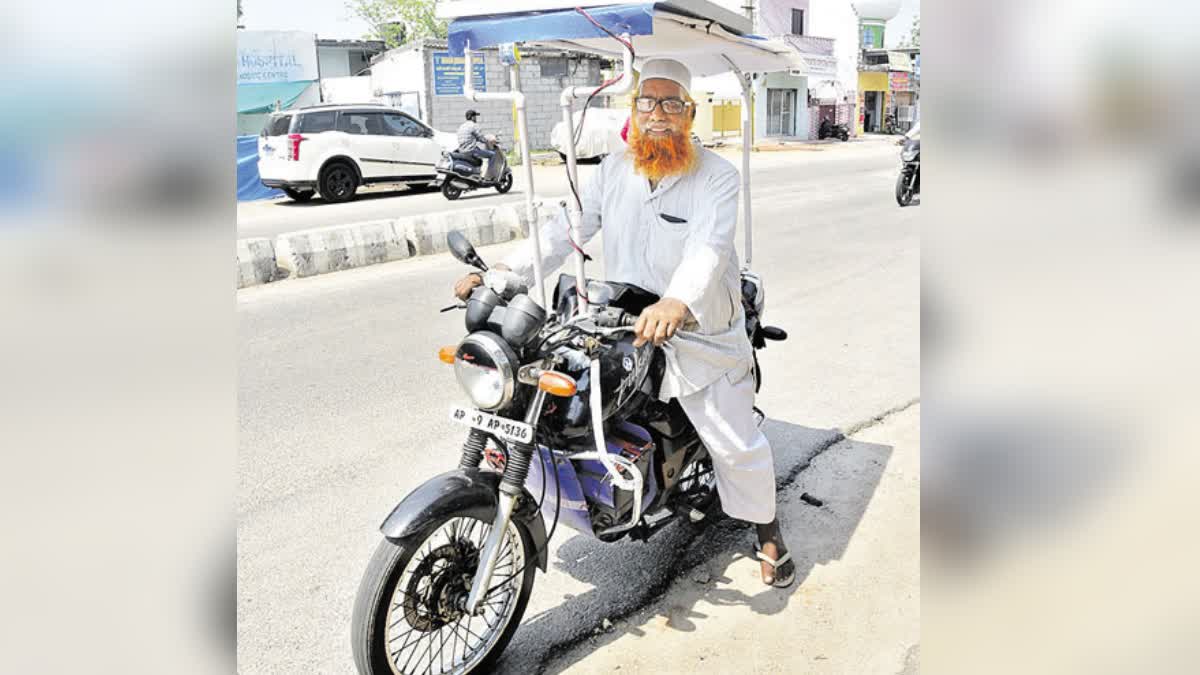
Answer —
683 105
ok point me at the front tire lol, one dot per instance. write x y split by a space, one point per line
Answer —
407 614
451 191
506 183
338 182
904 193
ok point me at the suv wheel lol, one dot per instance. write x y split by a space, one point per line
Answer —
337 182
300 196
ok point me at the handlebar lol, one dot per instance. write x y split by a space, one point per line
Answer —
612 317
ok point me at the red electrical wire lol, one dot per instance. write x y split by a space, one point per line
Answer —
580 288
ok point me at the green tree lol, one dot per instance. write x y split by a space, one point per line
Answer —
398 22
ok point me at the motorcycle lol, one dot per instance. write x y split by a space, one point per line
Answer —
830 130
908 183
460 172
889 124
564 424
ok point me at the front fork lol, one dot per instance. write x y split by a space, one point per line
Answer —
512 486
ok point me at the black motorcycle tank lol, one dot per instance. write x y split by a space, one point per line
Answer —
629 377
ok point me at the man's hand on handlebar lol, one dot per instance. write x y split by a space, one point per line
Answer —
659 321
464 286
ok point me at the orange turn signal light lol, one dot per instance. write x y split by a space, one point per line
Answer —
557 384
446 354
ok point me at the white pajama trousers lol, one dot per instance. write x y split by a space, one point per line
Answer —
723 414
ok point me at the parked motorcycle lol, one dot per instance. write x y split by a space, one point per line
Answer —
564 424
889 124
908 183
460 172
830 130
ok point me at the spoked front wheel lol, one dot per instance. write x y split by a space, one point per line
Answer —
410 613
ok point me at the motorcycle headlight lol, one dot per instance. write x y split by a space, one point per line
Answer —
485 367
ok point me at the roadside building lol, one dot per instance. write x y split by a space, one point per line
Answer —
275 69
891 89
824 34
346 69
888 79
424 80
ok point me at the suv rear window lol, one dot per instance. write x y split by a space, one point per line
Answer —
315 122
277 125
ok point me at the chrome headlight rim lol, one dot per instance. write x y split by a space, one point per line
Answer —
501 355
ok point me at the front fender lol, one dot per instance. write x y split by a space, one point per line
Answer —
470 492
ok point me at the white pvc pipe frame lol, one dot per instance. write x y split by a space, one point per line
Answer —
574 215
518 99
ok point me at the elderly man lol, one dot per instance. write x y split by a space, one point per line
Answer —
668 209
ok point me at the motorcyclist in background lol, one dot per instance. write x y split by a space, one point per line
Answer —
472 141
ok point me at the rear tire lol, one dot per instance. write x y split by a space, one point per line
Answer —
338 182
451 191
378 614
700 479
904 193
299 196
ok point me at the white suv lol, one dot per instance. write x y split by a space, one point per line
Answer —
333 149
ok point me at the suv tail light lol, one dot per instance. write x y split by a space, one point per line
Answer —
294 146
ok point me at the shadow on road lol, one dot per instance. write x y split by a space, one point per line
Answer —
628 577
360 197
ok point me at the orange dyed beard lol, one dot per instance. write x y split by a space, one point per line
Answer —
657 158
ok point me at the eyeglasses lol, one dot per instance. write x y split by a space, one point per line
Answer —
671 106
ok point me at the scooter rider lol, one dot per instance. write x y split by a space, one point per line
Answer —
472 141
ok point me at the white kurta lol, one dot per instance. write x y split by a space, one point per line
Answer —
695 261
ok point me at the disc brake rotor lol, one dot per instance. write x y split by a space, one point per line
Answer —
434 594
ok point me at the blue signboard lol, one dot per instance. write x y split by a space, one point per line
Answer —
448 73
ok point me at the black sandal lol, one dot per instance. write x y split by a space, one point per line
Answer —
785 569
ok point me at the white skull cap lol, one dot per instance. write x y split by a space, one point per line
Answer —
668 69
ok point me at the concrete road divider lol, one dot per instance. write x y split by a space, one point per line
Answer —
428 232
256 262
332 249
323 250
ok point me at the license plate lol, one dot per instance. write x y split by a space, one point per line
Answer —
509 430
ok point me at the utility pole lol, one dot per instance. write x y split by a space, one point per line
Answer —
748 8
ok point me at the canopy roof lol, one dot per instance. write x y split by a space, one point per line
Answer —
696 32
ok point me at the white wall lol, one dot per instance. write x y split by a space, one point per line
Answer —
836 19
774 17
334 62
779 81
347 90
402 72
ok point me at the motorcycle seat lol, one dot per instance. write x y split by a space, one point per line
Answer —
466 157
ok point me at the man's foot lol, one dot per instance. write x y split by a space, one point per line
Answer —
777 567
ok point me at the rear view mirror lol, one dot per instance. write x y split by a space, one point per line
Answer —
463 250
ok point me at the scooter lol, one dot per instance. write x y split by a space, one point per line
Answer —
563 424
830 130
908 183
460 172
